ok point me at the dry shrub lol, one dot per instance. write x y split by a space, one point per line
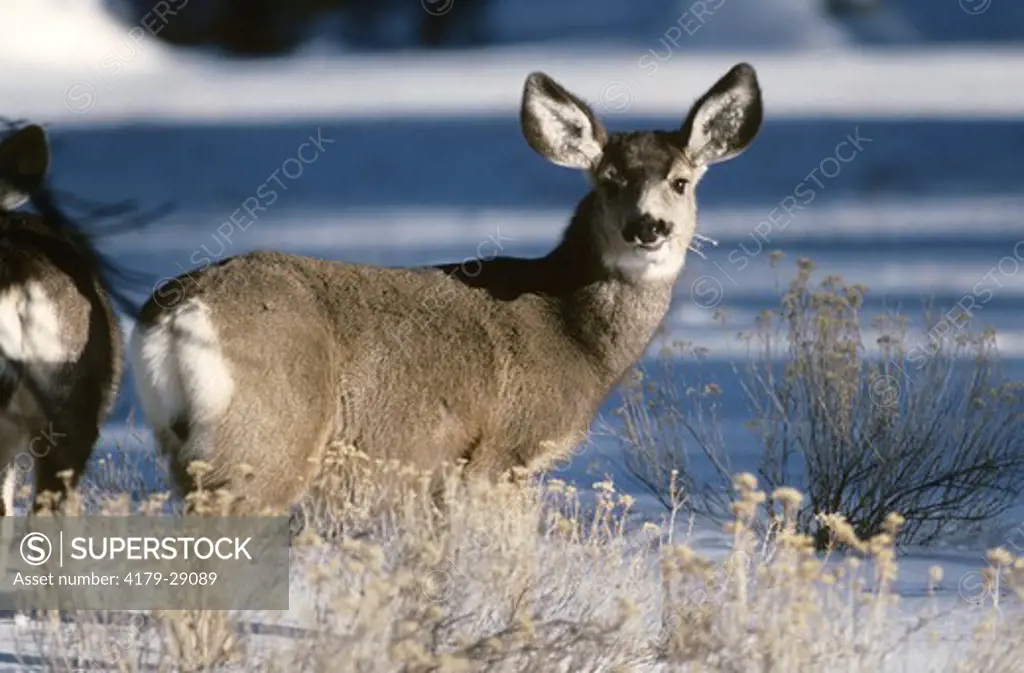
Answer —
196 640
162 640
354 496
931 429
470 585
526 577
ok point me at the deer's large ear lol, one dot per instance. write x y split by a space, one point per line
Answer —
560 126
724 121
24 160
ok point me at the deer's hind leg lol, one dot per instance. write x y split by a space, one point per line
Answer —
14 459
18 415
57 451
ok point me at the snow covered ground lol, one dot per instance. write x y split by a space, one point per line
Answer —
422 158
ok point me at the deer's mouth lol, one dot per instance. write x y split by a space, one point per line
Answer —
651 246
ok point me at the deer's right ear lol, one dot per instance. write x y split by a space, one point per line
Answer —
724 121
24 160
560 126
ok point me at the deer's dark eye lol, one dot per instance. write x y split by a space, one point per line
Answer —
679 185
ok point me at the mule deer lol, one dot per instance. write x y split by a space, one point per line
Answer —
267 358
60 342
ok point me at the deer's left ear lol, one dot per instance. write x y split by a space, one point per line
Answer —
724 121
24 160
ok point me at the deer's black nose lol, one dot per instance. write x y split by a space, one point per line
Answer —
646 230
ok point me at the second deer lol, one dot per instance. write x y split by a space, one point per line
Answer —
60 341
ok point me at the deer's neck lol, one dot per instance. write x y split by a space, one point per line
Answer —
609 318
612 317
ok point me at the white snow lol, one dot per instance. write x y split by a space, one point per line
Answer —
930 83
55 37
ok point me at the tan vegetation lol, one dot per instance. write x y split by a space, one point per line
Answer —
541 578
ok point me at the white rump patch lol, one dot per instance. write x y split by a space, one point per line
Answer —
30 331
179 367
10 198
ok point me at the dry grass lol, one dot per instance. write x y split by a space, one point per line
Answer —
529 578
